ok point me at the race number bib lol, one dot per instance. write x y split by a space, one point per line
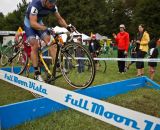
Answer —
34 11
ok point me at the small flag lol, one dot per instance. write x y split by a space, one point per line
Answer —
20 30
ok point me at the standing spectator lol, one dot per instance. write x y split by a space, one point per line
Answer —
153 53
94 48
122 40
143 40
80 54
94 45
133 53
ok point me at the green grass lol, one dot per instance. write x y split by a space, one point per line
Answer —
140 100
143 100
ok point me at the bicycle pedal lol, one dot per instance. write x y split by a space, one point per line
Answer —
10 60
49 80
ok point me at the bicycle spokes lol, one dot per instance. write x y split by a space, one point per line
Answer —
19 62
77 66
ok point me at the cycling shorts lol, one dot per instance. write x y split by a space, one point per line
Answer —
32 33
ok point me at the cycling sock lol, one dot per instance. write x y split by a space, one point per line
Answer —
37 72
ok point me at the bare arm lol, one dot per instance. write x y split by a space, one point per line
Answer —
60 20
35 24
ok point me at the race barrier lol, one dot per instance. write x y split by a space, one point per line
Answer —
118 59
85 101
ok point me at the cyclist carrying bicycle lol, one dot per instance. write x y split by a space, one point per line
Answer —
34 26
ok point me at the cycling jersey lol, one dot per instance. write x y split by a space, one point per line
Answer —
37 8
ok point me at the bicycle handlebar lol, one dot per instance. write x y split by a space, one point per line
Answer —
70 35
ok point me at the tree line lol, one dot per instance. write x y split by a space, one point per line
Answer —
97 16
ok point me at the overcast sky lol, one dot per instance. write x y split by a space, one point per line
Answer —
7 6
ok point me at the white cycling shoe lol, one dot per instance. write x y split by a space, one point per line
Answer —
39 78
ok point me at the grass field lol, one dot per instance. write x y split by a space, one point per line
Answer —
144 100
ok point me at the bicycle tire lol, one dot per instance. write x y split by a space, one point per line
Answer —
6 53
19 62
4 60
76 73
101 66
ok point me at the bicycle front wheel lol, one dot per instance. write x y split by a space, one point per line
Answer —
19 62
75 61
4 59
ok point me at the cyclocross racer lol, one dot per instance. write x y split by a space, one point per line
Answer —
34 26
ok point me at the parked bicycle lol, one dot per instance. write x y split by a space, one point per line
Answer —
100 65
14 57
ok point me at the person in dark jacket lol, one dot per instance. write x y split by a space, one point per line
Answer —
94 46
80 54
153 53
94 49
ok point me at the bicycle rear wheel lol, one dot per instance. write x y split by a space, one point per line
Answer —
101 66
19 62
75 61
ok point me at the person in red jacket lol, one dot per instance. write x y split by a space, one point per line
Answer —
122 40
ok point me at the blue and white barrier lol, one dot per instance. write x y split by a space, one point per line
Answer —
107 112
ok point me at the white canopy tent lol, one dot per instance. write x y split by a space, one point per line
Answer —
104 38
64 36
98 36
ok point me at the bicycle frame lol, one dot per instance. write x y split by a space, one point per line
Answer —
53 73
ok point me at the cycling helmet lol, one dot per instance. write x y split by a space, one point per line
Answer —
52 1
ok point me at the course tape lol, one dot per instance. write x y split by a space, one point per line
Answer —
107 112
117 59
7 32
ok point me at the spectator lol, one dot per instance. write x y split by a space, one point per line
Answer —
79 55
153 53
94 45
133 53
142 41
94 48
122 40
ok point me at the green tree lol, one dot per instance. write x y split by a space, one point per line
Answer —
1 21
147 12
15 19
102 16
87 15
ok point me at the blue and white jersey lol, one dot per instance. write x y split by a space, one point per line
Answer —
37 8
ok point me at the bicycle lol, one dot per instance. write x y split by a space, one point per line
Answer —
100 65
68 62
14 57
